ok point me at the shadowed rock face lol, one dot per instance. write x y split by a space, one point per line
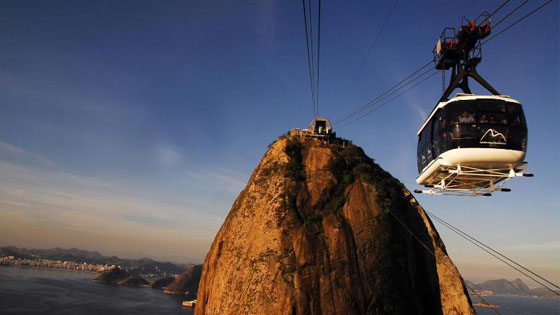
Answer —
316 231
162 283
188 281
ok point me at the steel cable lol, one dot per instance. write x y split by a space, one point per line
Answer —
390 90
494 253
372 46
309 64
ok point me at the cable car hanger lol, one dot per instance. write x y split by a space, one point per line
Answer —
462 53
470 145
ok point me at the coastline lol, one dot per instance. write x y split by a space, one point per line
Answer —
519 295
48 268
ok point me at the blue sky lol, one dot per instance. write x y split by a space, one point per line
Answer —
129 127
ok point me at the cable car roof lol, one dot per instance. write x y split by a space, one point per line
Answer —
465 97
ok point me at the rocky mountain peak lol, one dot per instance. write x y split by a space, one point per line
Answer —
321 229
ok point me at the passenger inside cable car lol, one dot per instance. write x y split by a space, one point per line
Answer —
481 123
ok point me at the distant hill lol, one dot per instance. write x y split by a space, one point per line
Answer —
117 276
186 282
133 266
162 283
503 286
515 287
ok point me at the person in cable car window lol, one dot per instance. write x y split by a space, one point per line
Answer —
466 118
483 119
492 119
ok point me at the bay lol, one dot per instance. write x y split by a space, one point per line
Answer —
518 305
40 291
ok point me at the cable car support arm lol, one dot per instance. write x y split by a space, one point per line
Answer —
460 51
459 79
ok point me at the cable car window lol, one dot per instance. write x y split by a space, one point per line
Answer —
493 118
429 151
422 144
461 112
424 153
462 131
466 118
492 106
517 129
437 135
492 112
419 154
516 117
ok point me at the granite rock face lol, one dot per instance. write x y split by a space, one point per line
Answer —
321 229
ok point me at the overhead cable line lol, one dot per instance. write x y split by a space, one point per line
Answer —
390 90
312 58
510 13
495 253
397 96
398 85
371 47
495 11
309 63
310 45
432 251
519 20
318 57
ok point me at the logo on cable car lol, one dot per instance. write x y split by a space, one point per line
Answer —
491 136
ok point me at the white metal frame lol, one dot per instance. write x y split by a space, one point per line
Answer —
464 180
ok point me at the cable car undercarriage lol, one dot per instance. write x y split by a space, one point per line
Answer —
471 181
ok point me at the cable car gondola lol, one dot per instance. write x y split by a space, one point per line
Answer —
470 144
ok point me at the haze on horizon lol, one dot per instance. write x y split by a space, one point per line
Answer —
129 127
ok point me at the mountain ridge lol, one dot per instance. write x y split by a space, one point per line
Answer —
511 287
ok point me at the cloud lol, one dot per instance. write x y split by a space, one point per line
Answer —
234 180
15 154
36 196
58 95
421 110
168 155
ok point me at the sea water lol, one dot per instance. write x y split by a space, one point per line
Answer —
40 291
518 305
